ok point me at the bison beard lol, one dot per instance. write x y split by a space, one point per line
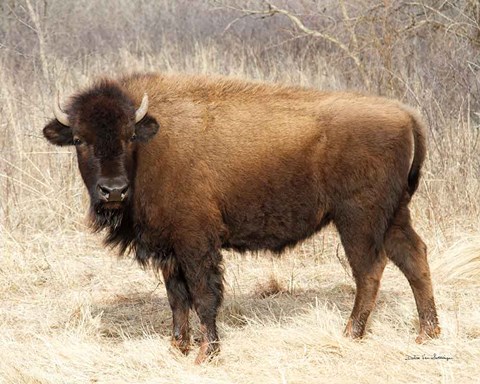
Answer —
101 218
215 163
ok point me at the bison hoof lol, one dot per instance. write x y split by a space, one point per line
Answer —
181 345
353 330
207 352
427 333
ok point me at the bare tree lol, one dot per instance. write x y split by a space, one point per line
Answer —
378 38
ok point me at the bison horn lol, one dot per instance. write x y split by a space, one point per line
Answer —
60 115
142 110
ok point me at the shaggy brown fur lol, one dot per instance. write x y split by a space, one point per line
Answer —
250 166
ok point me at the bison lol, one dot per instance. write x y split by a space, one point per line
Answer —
179 167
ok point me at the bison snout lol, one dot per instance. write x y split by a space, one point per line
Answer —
112 190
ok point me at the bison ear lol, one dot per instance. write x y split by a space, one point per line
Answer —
146 128
58 134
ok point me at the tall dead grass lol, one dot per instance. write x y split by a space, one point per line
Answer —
70 312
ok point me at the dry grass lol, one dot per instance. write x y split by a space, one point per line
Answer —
78 315
71 312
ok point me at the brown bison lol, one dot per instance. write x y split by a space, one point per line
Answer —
179 167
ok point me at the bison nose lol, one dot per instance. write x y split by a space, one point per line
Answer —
113 190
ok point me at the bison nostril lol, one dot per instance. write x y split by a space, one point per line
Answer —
123 192
112 191
105 191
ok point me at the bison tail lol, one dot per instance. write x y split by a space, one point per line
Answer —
419 145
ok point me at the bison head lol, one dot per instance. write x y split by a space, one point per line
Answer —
106 129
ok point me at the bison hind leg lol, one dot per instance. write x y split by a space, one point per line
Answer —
367 268
362 240
409 253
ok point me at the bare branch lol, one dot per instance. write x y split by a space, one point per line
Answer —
295 20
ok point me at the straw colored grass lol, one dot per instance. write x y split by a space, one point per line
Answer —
72 312
80 315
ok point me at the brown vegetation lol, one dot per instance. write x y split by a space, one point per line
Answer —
70 312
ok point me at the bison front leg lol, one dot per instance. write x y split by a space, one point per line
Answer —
180 302
205 282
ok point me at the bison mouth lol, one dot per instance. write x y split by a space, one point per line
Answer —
110 205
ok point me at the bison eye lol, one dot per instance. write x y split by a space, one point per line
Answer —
77 141
134 136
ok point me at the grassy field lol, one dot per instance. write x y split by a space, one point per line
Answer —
72 312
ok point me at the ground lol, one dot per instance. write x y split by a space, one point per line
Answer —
71 311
